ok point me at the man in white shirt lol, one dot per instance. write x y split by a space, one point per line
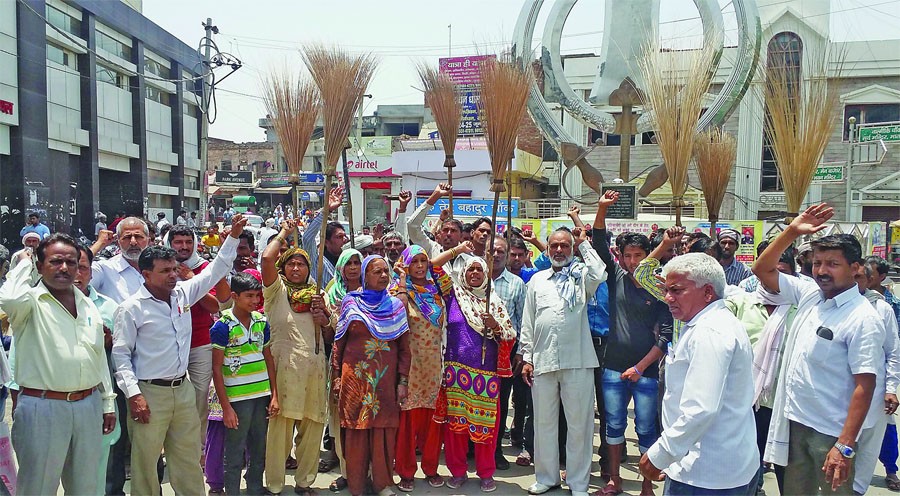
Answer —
100 225
182 218
161 221
870 439
833 360
451 230
707 409
151 349
558 357
118 278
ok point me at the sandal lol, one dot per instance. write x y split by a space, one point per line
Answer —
456 482
524 459
612 488
326 465
892 482
435 480
406 485
488 485
338 485
290 463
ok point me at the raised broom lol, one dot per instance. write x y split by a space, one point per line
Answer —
714 154
342 79
442 97
504 93
675 95
293 105
799 122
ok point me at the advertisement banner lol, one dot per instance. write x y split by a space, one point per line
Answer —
234 178
371 156
466 73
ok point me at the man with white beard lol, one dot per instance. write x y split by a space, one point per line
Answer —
118 278
558 356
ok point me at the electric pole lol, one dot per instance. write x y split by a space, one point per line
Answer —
204 126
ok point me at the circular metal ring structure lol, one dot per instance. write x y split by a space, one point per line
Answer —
558 90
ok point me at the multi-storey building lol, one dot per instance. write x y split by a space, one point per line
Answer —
98 112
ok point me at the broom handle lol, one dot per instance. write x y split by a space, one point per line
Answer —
489 256
450 196
297 216
349 200
329 176
509 202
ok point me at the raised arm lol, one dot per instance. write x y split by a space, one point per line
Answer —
809 222
14 296
199 286
414 223
400 222
273 251
574 213
598 237
448 255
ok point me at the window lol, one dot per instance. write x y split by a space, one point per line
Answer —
109 75
785 52
151 66
226 164
157 95
159 178
191 182
62 56
870 113
113 45
63 21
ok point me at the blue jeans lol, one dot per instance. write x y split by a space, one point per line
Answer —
616 395
675 488
888 455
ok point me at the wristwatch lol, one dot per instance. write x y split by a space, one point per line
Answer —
844 450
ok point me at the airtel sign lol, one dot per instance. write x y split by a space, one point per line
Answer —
374 167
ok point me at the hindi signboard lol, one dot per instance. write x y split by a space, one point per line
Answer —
889 132
466 73
828 173
466 207
626 206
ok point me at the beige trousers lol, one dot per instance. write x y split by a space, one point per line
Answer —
174 426
279 440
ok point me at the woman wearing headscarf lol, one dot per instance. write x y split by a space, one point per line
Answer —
290 295
416 287
346 278
476 357
370 365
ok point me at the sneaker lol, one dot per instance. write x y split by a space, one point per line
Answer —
456 482
435 480
488 485
538 488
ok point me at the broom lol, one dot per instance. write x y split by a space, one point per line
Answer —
293 105
342 79
714 154
799 123
442 97
676 107
504 93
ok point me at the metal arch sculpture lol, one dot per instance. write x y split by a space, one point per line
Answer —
557 89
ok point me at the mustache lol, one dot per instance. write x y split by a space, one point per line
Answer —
824 278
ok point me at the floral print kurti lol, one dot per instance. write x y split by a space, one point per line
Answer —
370 370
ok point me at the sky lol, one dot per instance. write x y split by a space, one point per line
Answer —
267 35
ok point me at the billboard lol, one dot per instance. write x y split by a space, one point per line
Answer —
466 73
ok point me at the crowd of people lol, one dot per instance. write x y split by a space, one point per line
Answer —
417 342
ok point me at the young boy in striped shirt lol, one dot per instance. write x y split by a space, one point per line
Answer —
244 378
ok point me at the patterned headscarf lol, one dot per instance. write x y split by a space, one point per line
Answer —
338 287
472 302
426 296
299 295
383 314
